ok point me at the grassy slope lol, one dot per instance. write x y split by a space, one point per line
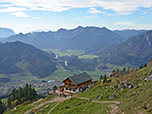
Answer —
45 109
26 106
132 100
86 107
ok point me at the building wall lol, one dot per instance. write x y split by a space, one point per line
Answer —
70 83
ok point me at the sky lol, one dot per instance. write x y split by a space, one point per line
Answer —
43 15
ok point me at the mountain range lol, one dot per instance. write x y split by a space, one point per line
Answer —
20 58
6 32
136 51
80 38
128 33
115 47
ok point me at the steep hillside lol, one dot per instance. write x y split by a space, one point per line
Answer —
129 94
19 58
136 51
5 32
128 33
80 38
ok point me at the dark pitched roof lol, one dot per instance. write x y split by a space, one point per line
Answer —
80 78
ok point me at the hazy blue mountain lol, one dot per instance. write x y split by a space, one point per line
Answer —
128 33
80 38
20 58
6 32
136 51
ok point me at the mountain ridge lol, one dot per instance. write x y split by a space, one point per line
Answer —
80 38
6 32
137 50
17 58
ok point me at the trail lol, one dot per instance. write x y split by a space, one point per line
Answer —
96 101
56 99
115 107
53 108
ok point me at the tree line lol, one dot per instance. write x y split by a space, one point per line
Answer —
2 107
18 96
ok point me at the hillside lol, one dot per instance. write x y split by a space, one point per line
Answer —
6 32
128 33
128 94
19 58
136 51
80 38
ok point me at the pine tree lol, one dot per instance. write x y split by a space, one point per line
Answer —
124 70
20 95
145 65
104 78
101 77
2 108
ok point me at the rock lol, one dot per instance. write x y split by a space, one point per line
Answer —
136 87
89 93
112 97
121 86
133 93
135 76
150 74
66 107
150 77
31 112
79 104
108 81
117 81
126 84
131 100
41 110
89 100
47 106
146 79
117 94
145 107
97 96
121 89
130 86
101 96
148 105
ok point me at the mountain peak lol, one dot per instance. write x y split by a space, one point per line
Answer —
6 32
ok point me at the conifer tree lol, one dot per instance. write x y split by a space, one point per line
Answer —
104 78
2 108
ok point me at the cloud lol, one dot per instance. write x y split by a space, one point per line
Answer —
125 23
12 9
19 14
132 25
93 16
63 5
95 11
17 11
